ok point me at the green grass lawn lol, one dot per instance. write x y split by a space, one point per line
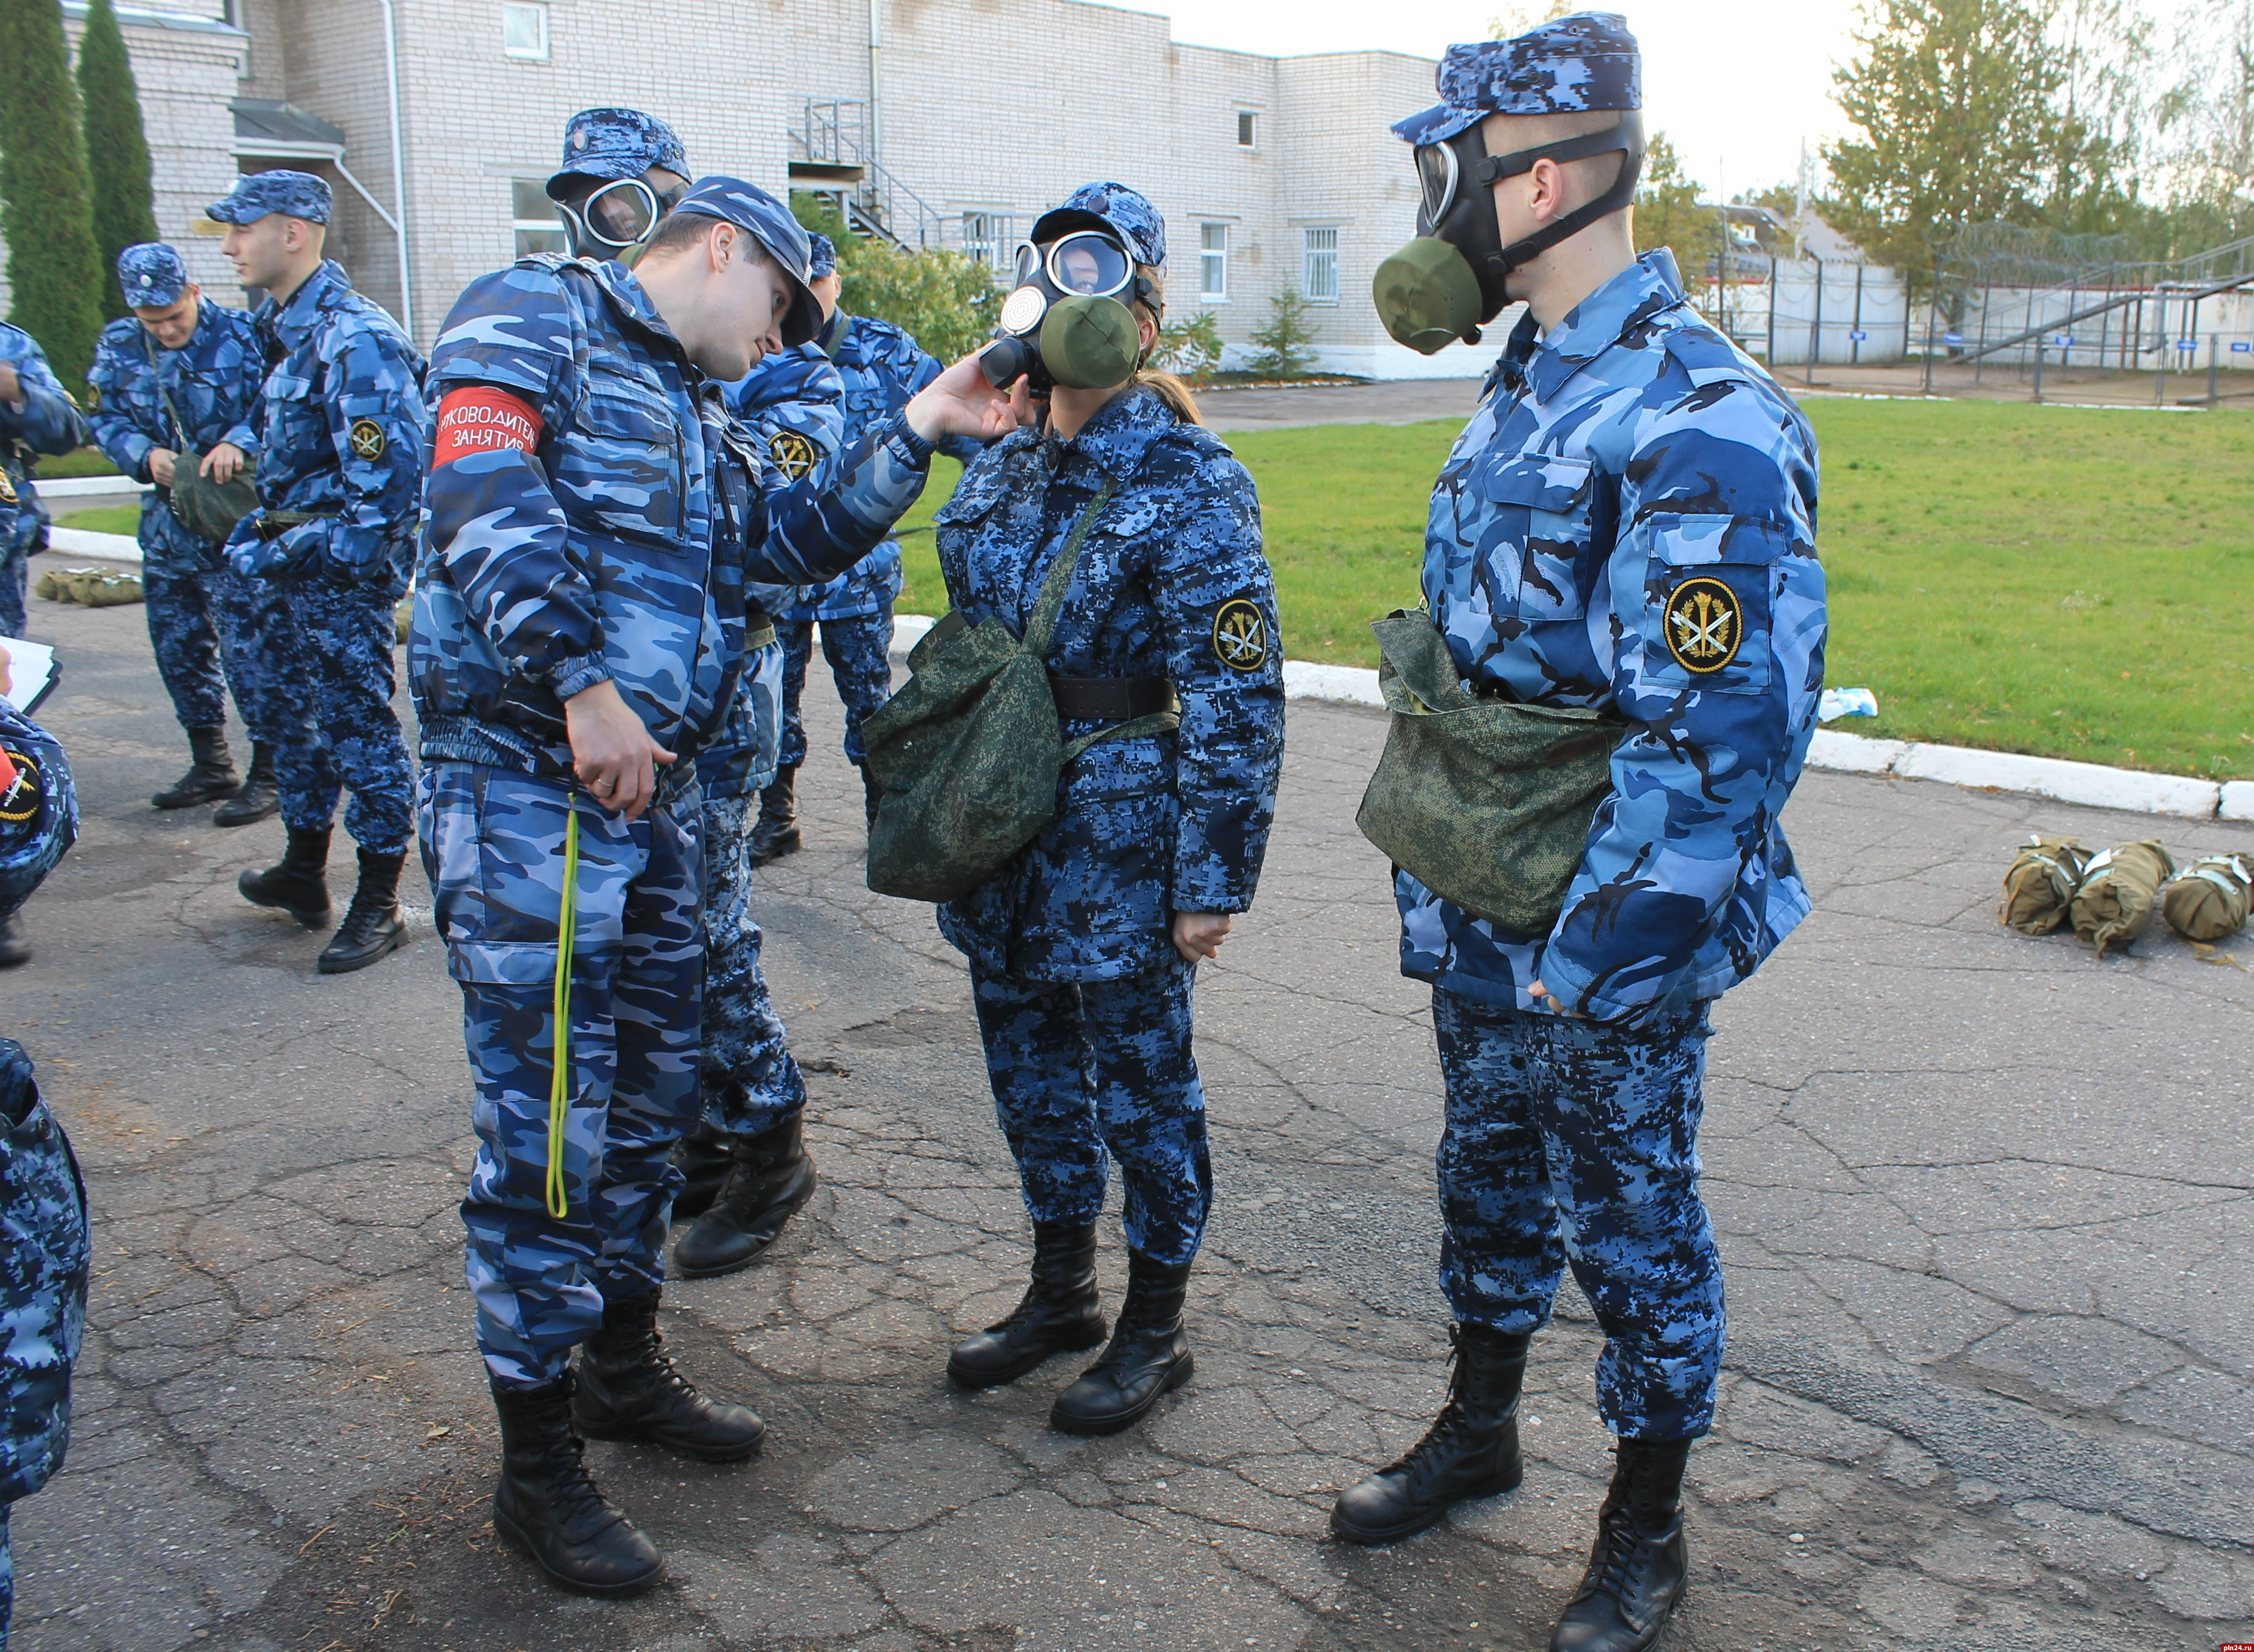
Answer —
102 519
84 461
2067 582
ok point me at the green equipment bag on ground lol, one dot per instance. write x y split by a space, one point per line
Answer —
970 752
95 587
2120 891
209 509
2206 901
2038 889
1486 802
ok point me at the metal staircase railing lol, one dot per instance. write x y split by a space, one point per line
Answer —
835 132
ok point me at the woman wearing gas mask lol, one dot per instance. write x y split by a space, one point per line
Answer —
1083 949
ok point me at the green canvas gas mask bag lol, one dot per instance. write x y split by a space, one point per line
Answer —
2208 901
968 753
1485 802
2120 891
207 508
2039 888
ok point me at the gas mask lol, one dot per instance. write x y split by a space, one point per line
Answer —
1067 319
615 218
1449 282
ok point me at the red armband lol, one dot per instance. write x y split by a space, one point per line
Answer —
479 419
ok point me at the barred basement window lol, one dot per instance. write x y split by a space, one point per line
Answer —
524 32
532 215
1213 261
1319 277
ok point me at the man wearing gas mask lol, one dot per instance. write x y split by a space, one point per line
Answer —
622 172
1628 524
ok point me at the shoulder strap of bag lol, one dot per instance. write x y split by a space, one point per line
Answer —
180 430
1042 626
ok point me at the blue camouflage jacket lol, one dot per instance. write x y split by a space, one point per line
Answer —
617 545
793 403
1630 522
342 437
1171 582
43 1258
214 380
48 422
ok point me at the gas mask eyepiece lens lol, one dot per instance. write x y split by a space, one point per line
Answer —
1028 265
1438 175
1090 265
622 212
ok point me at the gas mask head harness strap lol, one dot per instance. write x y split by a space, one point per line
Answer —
1068 318
1449 282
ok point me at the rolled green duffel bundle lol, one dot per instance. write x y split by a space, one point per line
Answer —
2120 891
1486 802
2038 889
111 591
2208 901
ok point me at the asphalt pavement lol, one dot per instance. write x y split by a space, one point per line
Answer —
1984 1202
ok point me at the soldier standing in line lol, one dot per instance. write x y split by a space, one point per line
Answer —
37 415
1628 523
180 374
341 472
593 515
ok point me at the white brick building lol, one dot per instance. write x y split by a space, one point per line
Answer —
956 122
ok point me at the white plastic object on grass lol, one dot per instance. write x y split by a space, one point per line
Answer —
1837 703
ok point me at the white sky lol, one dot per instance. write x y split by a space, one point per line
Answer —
1735 83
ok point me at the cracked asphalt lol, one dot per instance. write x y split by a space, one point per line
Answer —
1984 1201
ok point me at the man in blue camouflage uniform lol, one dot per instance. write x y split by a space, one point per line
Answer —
44 1242
37 415
340 470
178 374
593 515
1628 523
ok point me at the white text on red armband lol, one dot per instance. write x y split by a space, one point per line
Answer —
479 419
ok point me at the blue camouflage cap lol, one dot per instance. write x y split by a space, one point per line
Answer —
39 808
1125 212
152 275
255 194
769 221
1588 61
823 259
614 144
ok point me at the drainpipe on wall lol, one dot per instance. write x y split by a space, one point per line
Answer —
399 166
876 82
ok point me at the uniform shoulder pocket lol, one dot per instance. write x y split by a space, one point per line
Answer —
1542 503
1709 591
619 465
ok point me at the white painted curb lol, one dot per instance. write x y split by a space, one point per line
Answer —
80 541
88 486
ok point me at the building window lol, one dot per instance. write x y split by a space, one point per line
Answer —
1318 277
981 238
1247 129
1213 261
533 217
524 32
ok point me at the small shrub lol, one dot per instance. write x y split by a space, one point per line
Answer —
1191 347
1286 343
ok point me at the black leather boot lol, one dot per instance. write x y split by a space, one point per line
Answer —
1640 1566
260 795
14 946
628 1390
1148 1356
300 884
770 1175
1470 1451
548 1505
374 925
1059 1314
775 834
702 1158
211 773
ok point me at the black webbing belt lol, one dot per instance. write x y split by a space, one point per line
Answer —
1112 699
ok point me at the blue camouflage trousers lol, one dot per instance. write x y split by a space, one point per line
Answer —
749 1082
1081 1070
1573 1141
858 652
208 629
331 698
493 846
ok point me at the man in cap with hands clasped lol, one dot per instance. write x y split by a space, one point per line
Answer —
1627 525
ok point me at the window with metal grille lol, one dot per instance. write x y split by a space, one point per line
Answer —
1213 261
1319 266
532 215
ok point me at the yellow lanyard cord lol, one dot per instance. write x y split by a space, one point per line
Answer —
559 1084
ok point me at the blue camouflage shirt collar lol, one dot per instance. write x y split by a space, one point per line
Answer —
1121 431
293 323
633 301
1608 316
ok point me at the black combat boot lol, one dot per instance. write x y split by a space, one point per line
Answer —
1639 1568
628 1390
1148 1356
770 1175
1470 1451
702 1158
14 946
300 884
374 925
1059 1314
548 1505
260 796
775 834
211 774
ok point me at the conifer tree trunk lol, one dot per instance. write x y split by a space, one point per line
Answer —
116 148
53 270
